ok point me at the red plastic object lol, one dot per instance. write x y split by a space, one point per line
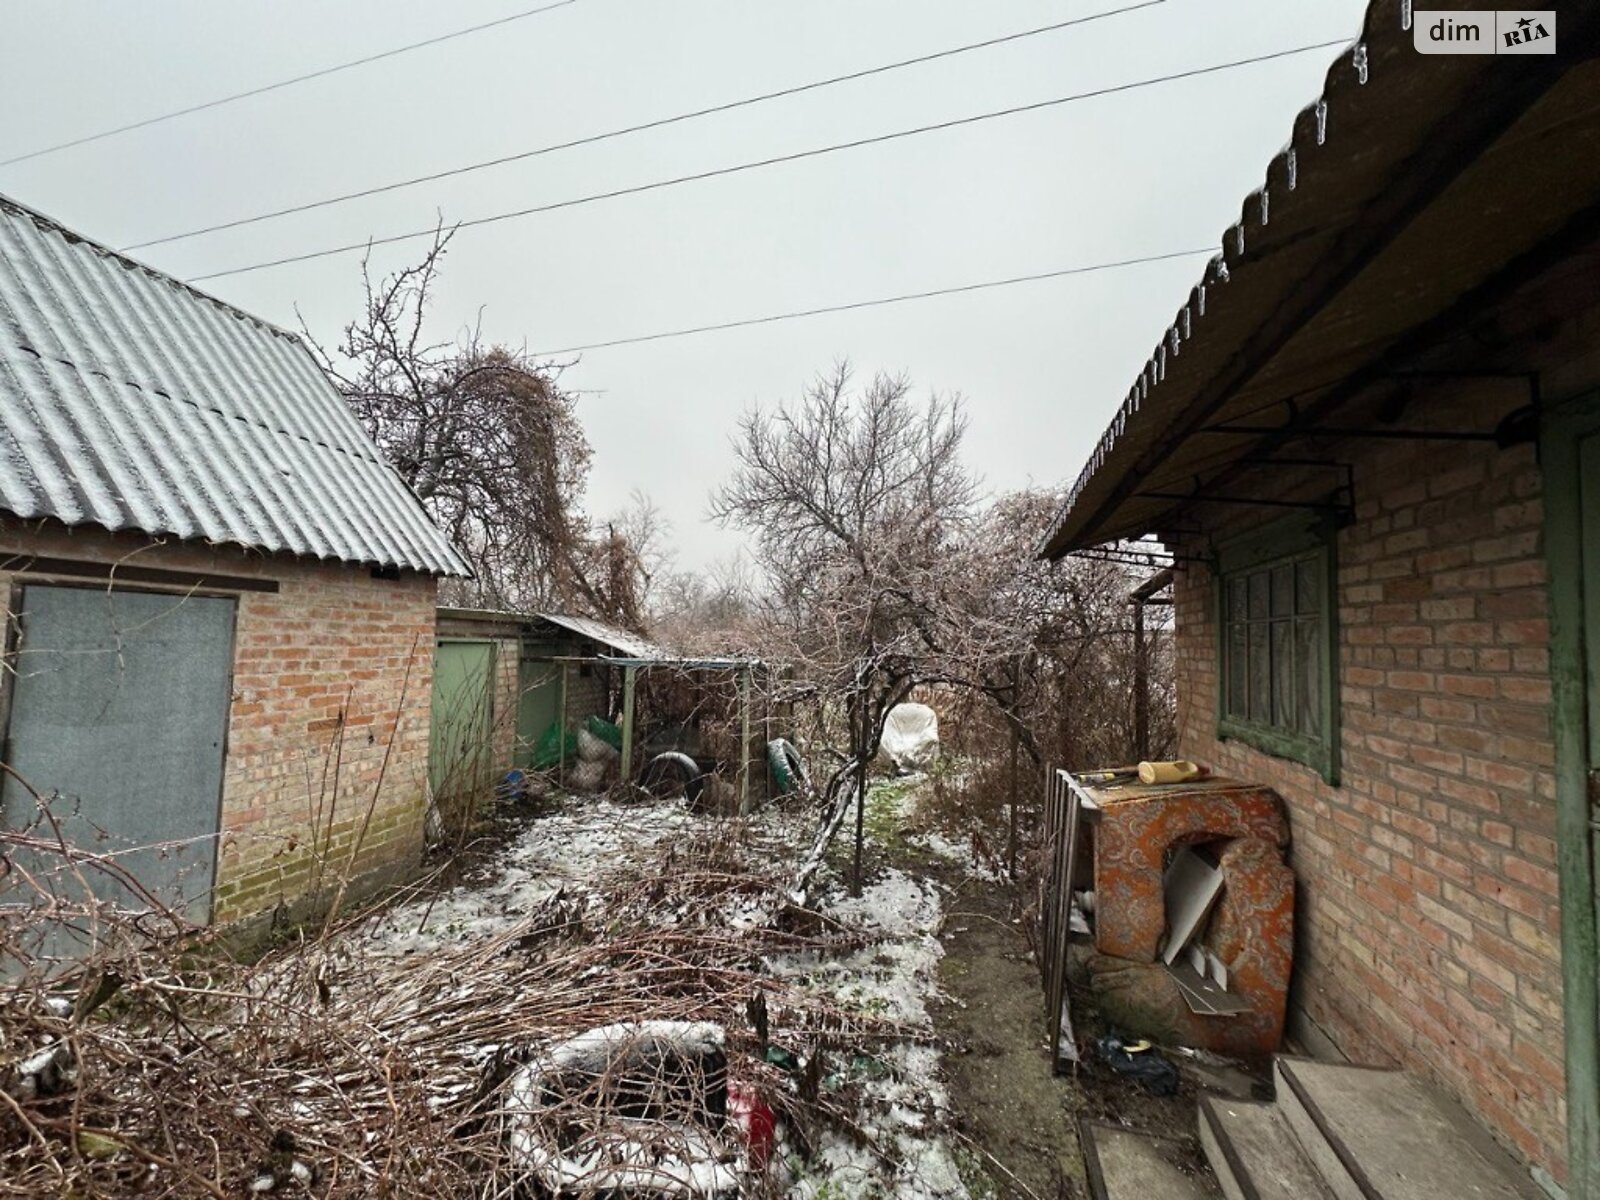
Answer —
750 1112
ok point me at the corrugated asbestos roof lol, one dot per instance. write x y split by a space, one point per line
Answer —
130 400
622 643
1410 183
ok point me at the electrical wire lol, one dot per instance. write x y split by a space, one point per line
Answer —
738 168
642 127
282 83
860 304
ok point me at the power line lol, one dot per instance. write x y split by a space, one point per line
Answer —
658 123
282 83
877 303
738 168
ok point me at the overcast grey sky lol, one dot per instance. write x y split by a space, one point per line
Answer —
1043 365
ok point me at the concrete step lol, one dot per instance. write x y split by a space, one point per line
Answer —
1254 1154
1124 1164
1386 1135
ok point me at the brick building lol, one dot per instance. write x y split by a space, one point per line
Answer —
1370 439
220 598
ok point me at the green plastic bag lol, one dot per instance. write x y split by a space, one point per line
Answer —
547 751
605 731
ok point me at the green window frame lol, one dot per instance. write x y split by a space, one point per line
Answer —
1277 642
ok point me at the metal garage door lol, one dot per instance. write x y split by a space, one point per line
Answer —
118 714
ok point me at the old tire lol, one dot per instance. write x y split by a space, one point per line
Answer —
671 773
787 767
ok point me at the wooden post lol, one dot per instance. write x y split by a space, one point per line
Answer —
1141 686
561 729
744 740
860 740
1574 722
628 678
1011 827
1016 748
861 814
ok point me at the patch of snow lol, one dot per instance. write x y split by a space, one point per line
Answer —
937 844
555 853
904 1107
893 977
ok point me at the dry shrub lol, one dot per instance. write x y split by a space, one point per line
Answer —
158 1066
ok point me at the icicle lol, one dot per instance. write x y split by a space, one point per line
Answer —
1172 339
1188 319
1293 165
1202 299
1265 198
1322 121
1359 58
1405 15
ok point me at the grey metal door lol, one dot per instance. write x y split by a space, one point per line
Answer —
118 716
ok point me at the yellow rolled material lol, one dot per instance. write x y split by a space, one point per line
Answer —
1178 771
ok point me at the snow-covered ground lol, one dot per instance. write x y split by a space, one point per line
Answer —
961 853
566 851
904 1106
904 1102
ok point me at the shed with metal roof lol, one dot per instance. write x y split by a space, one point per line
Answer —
211 578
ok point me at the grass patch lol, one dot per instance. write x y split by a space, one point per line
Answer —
975 1176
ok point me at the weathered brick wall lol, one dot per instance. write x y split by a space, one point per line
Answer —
588 693
505 704
1428 916
322 668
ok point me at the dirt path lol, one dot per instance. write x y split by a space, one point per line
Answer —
1018 1121
1006 1099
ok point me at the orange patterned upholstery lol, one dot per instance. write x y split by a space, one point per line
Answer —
1139 824
1251 929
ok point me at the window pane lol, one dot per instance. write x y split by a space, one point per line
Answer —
1260 670
1283 590
1307 587
1283 714
1308 670
1258 595
1238 664
1236 598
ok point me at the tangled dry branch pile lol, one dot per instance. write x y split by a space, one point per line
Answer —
340 1066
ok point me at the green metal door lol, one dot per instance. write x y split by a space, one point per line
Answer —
459 753
1569 453
1589 541
540 686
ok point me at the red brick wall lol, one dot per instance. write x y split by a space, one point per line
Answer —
319 673
1428 918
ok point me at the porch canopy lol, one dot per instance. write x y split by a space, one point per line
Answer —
1418 191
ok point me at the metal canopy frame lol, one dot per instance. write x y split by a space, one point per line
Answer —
744 669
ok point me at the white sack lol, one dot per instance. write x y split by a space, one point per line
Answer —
910 738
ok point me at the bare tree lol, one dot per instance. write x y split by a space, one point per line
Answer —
886 575
483 434
712 611
858 501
